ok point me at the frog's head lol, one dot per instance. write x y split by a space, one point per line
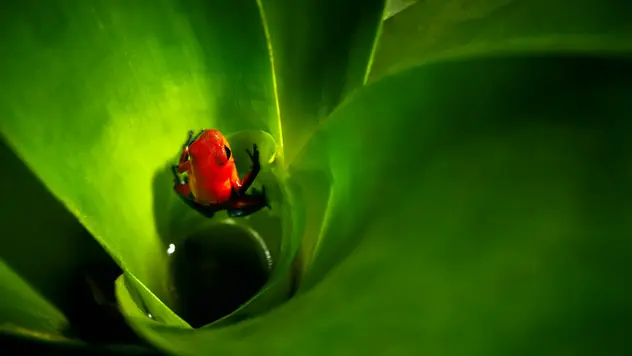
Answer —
211 145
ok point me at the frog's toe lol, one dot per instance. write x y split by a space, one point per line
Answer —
235 213
244 211
176 177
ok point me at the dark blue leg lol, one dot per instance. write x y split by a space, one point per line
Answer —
176 176
191 138
242 212
249 204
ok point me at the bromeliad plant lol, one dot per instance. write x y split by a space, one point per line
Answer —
454 180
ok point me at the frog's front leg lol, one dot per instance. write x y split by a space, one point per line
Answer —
254 170
182 167
180 185
246 204
191 138
183 161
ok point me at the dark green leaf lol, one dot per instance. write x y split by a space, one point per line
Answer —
43 253
433 29
24 311
321 51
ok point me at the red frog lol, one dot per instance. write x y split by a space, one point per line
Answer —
212 182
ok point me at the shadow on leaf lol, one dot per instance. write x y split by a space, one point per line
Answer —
53 252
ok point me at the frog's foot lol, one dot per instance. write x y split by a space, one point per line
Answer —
249 178
243 212
176 177
254 156
176 171
191 138
249 204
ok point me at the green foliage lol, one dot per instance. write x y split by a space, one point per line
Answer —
318 59
24 311
467 201
43 251
435 29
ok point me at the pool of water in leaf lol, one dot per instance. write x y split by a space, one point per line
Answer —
218 269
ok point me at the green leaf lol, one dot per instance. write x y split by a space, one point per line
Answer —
293 65
43 252
29 346
492 189
317 62
24 311
321 51
97 99
504 200
393 7
433 29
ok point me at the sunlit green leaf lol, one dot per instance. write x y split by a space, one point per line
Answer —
393 7
97 99
438 28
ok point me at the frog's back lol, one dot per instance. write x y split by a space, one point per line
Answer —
211 169
209 186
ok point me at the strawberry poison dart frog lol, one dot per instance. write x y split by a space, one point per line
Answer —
211 182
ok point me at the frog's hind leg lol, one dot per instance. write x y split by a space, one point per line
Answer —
243 212
181 186
183 190
249 204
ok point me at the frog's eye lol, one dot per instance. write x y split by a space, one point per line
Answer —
227 150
